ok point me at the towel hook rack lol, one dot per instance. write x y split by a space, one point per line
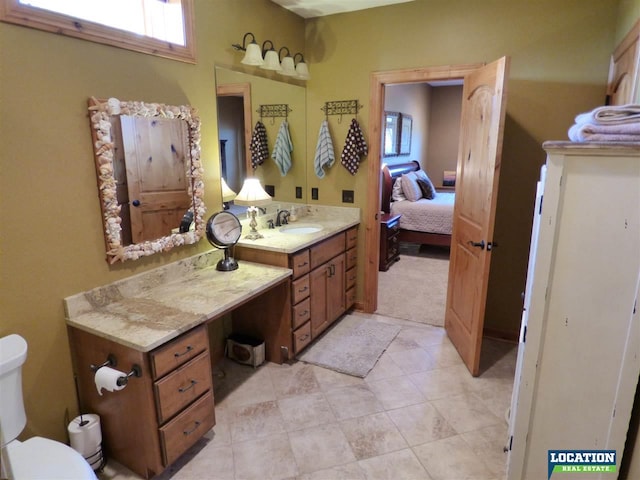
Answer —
341 107
274 110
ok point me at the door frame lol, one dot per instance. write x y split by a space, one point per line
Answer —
242 90
377 84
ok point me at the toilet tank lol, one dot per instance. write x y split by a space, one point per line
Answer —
13 353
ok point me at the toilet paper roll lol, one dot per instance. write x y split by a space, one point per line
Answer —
107 378
85 435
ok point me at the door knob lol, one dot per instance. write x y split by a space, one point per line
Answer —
136 203
479 244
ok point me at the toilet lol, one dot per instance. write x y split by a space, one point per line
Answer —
37 457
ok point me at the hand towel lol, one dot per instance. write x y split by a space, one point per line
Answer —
611 114
354 148
325 155
613 132
282 149
258 147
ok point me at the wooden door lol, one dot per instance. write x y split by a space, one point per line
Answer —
622 87
479 152
336 288
318 286
158 184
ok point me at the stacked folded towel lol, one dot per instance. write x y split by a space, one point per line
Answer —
282 149
619 123
354 148
258 147
325 155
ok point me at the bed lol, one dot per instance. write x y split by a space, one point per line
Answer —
427 222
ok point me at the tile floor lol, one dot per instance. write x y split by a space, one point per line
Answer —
419 414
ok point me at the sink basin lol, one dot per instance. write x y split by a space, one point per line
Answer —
301 228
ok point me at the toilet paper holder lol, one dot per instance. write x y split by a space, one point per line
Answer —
111 361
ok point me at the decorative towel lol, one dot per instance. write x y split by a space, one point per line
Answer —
258 147
619 123
354 148
282 149
325 155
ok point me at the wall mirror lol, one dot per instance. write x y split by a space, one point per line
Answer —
237 119
150 176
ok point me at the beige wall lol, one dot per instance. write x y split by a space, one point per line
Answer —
444 128
51 241
559 61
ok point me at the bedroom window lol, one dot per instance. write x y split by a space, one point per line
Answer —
157 27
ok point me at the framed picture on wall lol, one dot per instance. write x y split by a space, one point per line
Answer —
404 144
391 131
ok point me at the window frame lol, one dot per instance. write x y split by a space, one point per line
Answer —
12 11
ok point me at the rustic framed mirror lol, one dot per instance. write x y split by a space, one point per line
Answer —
150 176
391 130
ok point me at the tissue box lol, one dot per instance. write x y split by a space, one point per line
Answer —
245 349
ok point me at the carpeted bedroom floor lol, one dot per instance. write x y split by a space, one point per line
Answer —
415 287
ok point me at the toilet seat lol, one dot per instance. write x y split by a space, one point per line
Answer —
43 459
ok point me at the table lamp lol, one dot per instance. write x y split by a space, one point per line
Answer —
253 196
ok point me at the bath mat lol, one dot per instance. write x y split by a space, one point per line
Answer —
352 346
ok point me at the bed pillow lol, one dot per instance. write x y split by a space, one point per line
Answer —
410 187
396 193
426 185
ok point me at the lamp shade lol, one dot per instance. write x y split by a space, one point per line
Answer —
288 67
227 193
253 55
302 71
271 61
252 194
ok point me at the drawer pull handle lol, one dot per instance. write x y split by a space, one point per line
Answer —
189 432
300 290
304 337
302 314
189 348
302 264
191 385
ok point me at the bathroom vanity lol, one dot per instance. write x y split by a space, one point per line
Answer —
323 263
155 324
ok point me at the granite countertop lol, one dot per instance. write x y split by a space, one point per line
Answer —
332 219
147 310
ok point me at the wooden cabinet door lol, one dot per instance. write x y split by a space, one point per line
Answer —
318 283
622 87
336 288
327 294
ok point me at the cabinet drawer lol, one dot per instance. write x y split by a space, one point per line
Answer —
185 430
300 289
326 250
300 263
302 337
352 237
350 281
352 258
350 297
301 313
181 387
393 229
178 352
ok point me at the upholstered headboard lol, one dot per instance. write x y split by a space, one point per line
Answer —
389 175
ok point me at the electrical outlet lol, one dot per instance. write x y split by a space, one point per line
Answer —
314 193
347 196
298 192
270 189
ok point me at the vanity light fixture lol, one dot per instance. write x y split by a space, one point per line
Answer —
253 196
253 54
302 70
271 58
227 193
288 68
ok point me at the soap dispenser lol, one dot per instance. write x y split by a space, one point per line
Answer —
293 215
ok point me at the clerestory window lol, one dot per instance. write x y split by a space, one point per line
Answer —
158 27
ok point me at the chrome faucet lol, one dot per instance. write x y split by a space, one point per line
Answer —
282 220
